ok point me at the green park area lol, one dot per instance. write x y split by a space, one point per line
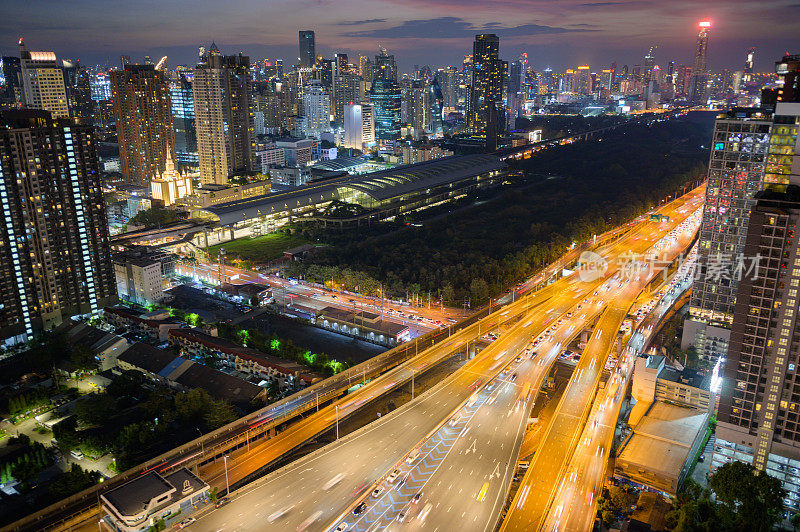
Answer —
258 249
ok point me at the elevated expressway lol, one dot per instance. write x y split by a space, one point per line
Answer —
296 495
534 498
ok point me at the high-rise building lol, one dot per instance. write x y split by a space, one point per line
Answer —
448 79
699 91
583 80
79 90
418 105
100 85
487 81
223 116
683 80
516 77
748 64
54 232
385 66
308 55
316 109
144 122
12 73
386 99
183 119
346 91
43 82
359 125
736 173
788 70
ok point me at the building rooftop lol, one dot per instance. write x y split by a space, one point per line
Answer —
133 497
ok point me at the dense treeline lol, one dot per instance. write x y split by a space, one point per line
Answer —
480 250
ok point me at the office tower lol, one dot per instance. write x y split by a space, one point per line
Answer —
748 65
346 90
649 63
341 64
308 55
43 82
79 90
735 173
418 105
316 109
699 91
386 99
548 80
487 81
516 77
143 114
124 60
12 72
568 81
223 116
448 79
385 66
583 80
683 80
326 68
183 119
366 68
359 125
100 85
436 99
54 232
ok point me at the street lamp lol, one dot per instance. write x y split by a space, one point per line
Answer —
227 483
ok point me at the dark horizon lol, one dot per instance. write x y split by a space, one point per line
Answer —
559 36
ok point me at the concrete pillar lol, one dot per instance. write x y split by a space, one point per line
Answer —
472 350
205 237
232 236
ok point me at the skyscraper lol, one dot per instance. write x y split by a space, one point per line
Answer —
316 109
735 173
748 64
487 81
346 90
43 82
699 93
54 232
12 72
79 90
307 49
448 79
224 116
385 66
386 99
359 125
183 119
144 122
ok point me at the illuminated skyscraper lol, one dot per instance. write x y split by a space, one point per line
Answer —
184 120
699 92
307 49
144 122
54 246
487 81
224 116
385 67
748 64
43 82
386 99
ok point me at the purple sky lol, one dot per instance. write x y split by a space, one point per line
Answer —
555 33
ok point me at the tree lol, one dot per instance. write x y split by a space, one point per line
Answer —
751 499
479 290
94 408
795 520
155 216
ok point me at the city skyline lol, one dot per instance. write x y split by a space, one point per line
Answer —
593 33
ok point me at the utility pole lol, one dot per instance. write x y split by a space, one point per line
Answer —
227 483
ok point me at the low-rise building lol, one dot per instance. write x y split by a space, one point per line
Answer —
183 374
215 194
296 152
148 325
289 176
654 380
368 326
269 157
140 503
139 277
418 154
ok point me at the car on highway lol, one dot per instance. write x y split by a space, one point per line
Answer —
280 513
222 502
402 515
332 482
424 513
416 498
308 522
358 510
342 527
377 491
186 522
412 457
392 476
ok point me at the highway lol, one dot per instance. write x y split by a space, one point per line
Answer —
575 504
369 453
367 456
534 498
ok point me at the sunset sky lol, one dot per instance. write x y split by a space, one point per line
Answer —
555 33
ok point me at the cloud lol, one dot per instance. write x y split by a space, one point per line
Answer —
455 28
361 22
603 4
